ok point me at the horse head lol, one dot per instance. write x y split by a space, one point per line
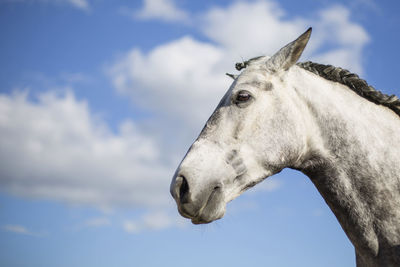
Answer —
255 131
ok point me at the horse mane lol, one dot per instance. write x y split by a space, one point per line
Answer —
355 83
345 77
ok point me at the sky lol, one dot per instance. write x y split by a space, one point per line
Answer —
99 101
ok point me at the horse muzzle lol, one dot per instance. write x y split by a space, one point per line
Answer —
205 206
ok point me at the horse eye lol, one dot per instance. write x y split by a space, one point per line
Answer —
242 96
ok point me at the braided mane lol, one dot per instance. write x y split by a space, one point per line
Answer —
345 77
355 83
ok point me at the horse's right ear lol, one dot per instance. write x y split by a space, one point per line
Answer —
288 55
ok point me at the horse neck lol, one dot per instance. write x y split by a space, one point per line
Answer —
353 160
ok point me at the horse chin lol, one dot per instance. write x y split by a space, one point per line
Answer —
208 218
213 209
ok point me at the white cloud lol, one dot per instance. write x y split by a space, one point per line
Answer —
184 78
165 10
347 38
54 148
251 29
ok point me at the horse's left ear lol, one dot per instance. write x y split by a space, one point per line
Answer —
288 55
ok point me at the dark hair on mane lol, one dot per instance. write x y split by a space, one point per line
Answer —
345 77
355 83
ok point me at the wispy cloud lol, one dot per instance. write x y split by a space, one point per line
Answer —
156 220
36 79
79 4
19 229
164 10
97 222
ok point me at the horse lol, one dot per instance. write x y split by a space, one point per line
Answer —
321 120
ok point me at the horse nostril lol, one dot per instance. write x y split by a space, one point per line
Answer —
184 191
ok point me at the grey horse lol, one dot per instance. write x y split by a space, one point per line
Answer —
321 120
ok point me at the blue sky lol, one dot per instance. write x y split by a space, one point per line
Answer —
99 101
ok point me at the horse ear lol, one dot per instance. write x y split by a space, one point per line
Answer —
289 54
